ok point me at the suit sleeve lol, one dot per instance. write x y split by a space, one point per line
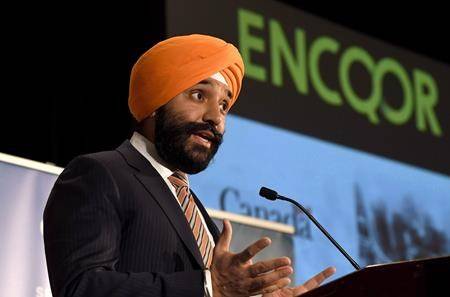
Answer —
82 235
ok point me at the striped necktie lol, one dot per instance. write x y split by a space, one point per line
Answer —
192 213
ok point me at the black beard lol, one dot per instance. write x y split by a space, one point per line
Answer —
171 137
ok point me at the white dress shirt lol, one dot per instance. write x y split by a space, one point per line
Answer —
148 150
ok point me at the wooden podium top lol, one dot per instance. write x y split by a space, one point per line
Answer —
425 277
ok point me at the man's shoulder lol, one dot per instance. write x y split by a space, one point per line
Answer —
110 160
104 157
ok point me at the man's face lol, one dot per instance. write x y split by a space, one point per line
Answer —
190 127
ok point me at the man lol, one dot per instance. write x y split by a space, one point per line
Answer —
126 223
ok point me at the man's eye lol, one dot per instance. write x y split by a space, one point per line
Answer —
197 95
224 106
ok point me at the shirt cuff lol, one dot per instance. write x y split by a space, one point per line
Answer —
208 283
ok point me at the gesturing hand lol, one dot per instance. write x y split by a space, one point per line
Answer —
312 283
235 275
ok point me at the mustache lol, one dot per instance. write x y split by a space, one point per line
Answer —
192 128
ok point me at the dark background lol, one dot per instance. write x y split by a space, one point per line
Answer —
66 67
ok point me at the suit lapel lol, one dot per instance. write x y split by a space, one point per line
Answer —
158 190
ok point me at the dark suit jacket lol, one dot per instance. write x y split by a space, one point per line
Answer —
113 228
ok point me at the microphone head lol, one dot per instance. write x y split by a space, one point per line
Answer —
268 193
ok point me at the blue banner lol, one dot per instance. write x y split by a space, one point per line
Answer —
380 210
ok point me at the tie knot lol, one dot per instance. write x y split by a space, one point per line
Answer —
178 179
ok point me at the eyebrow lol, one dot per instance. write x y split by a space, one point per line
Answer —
208 82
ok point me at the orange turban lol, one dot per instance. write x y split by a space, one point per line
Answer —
178 63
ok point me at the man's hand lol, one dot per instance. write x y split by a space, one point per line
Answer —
235 275
312 283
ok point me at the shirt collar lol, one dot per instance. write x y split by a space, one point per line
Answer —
148 150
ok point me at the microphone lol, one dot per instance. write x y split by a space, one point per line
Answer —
273 195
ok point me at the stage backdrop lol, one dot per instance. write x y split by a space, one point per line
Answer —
24 189
355 129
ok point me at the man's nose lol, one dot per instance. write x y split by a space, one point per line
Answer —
213 114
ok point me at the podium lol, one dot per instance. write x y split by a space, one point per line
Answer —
427 277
